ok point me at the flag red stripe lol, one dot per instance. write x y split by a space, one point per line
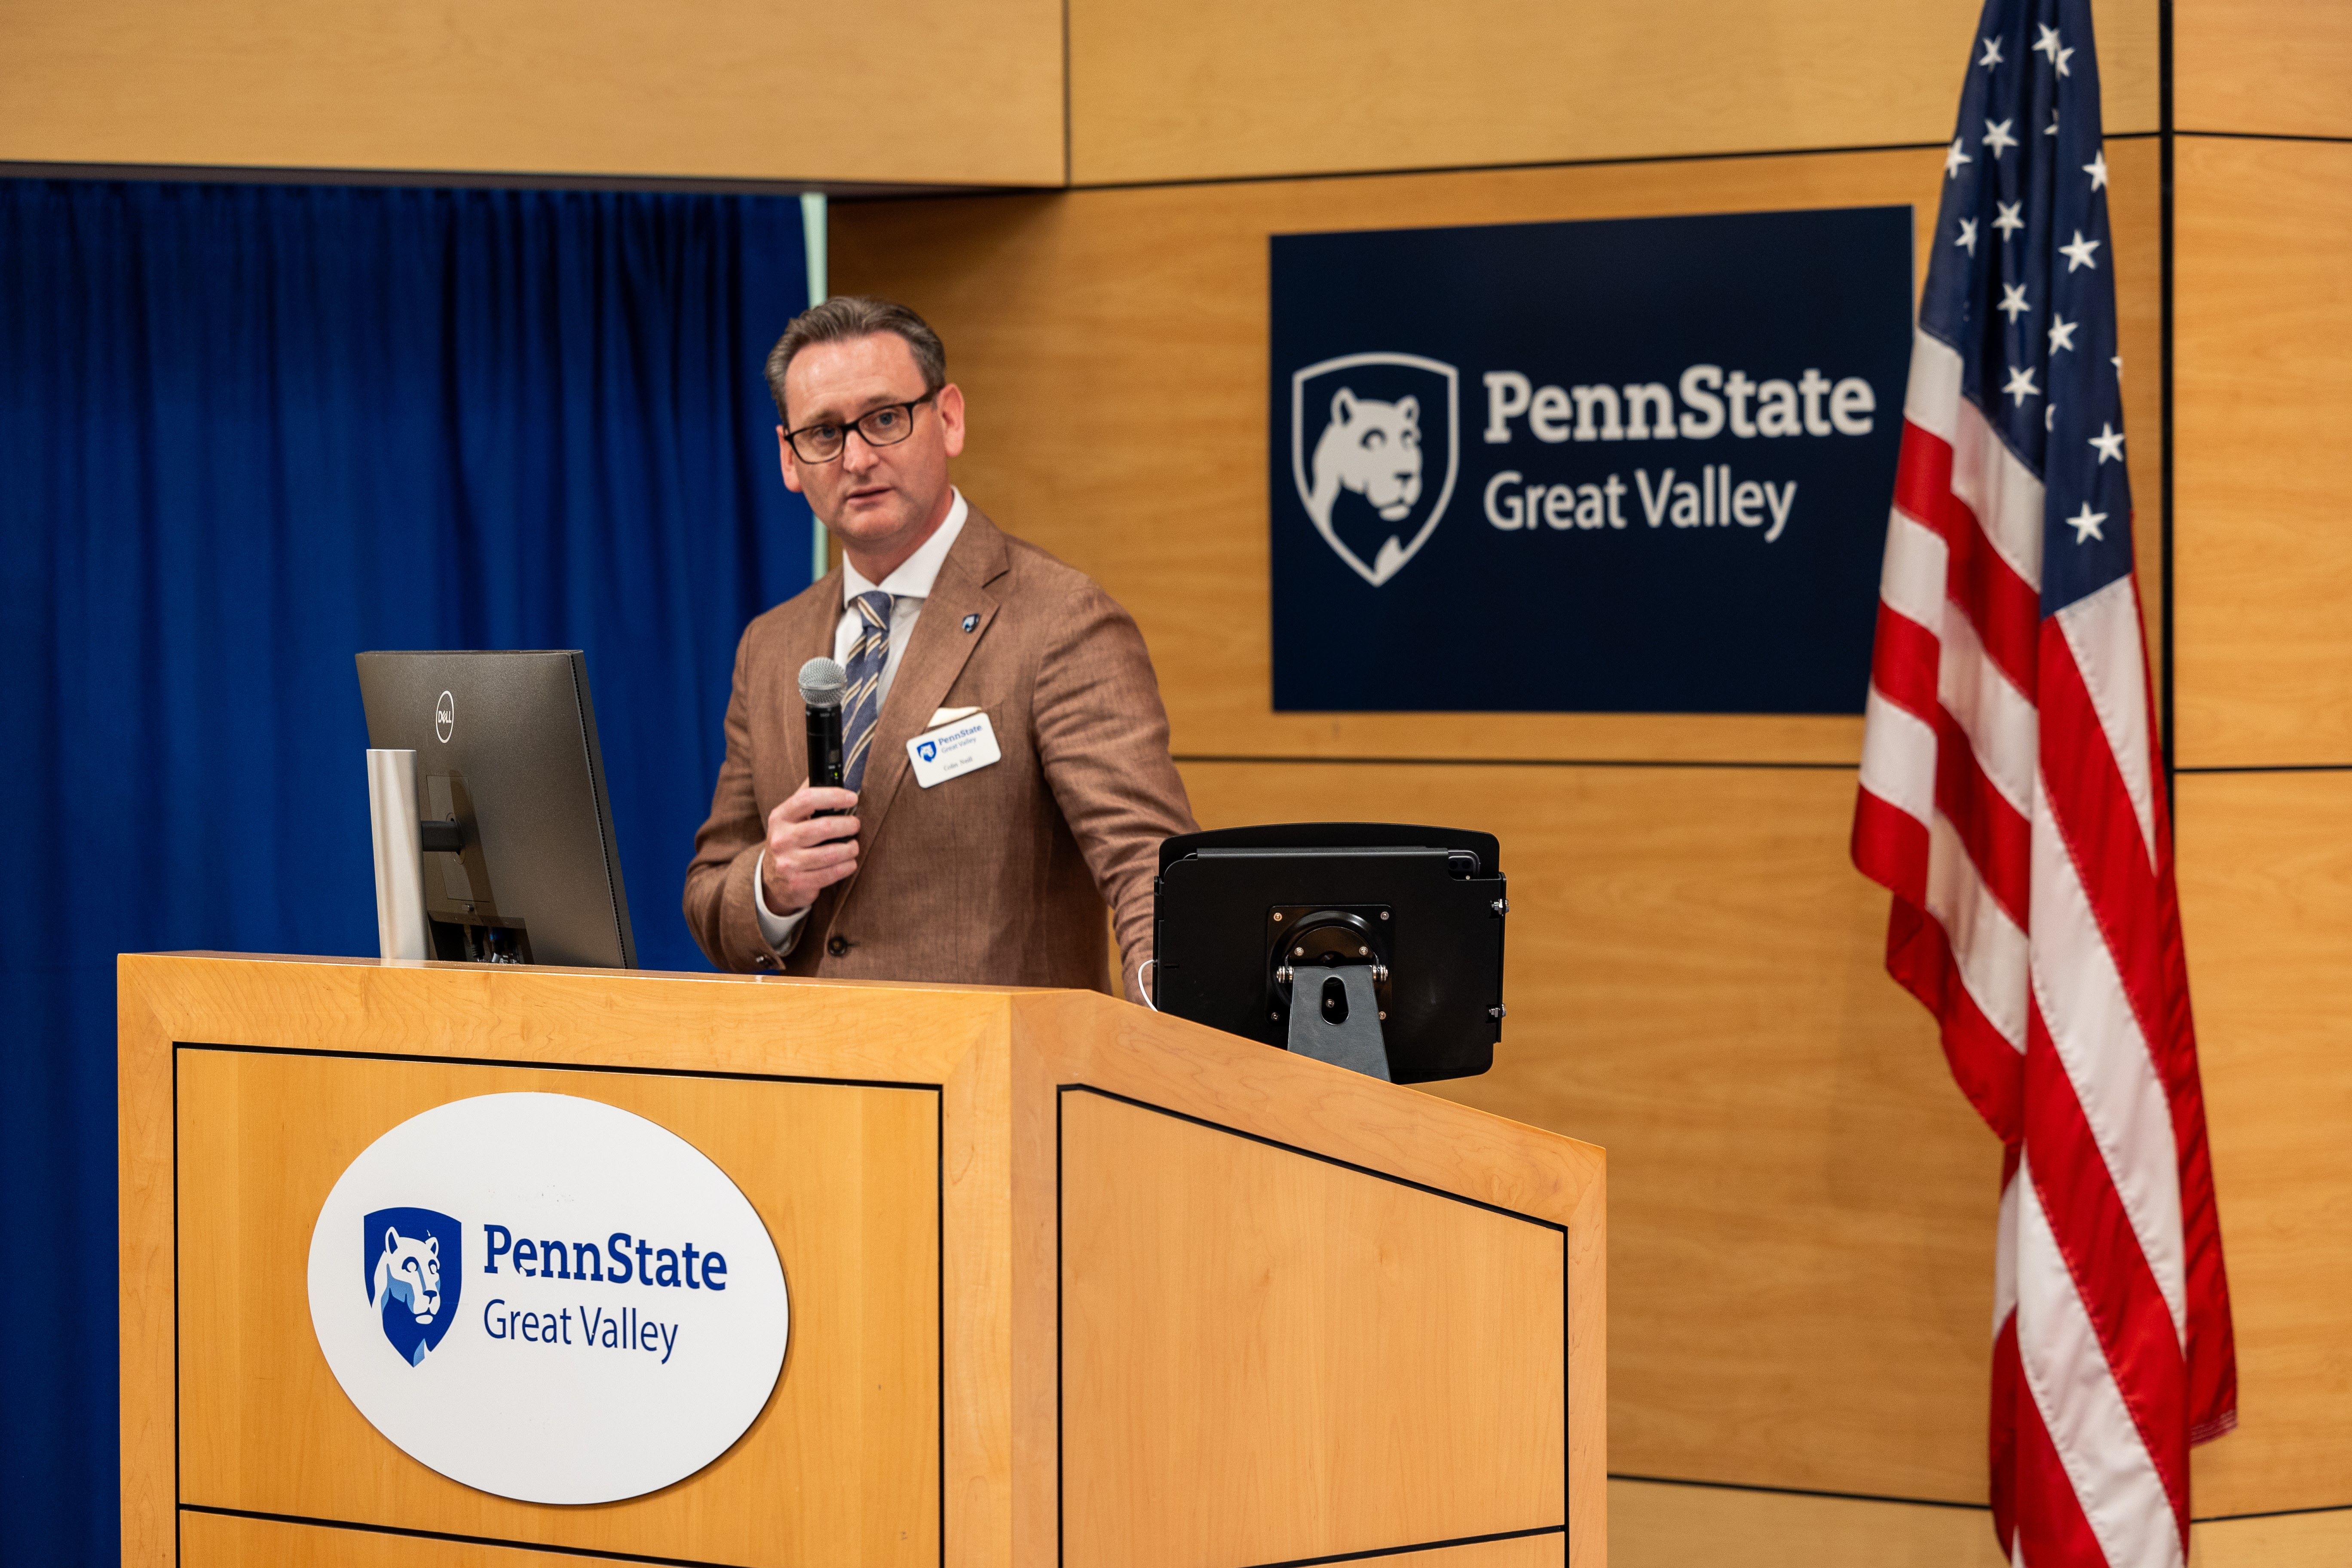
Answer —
1903 663
2111 1273
2051 1527
1890 848
1996 834
2008 1389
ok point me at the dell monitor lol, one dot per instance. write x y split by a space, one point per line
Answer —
516 829
1372 945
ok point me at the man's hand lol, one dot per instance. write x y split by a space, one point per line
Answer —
807 853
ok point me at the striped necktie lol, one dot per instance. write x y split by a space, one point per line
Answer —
862 703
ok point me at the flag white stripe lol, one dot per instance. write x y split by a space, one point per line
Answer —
2091 1022
1987 948
2001 491
1912 581
2121 1495
2103 631
2000 720
1932 399
1898 758
2004 1257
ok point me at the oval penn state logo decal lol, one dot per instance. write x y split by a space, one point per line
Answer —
556 1300
1374 445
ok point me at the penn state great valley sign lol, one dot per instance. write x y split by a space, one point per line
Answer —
547 1298
1632 466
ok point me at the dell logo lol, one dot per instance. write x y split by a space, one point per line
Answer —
445 717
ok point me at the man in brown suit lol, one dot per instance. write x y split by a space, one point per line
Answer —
997 875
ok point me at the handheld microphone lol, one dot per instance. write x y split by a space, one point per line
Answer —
822 685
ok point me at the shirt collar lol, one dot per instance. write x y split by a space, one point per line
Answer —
918 572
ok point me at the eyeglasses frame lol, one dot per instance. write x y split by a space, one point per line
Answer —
856 428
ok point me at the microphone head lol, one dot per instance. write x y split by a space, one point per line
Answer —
822 683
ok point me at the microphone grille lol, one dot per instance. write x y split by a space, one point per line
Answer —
822 683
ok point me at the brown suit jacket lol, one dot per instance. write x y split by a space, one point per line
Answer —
998 876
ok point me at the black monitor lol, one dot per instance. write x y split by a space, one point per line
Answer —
1374 945
519 862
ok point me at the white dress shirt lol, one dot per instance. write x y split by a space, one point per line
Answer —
908 586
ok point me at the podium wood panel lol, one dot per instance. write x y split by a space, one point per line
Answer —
842 1177
1312 1321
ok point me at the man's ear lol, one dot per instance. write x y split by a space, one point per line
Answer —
949 404
784 460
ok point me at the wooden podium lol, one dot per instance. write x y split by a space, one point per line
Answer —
1073 1284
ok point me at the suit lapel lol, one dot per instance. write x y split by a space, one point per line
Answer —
936 654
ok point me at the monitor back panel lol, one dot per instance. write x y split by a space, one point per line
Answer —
506 742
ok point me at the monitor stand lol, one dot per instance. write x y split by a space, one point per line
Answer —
1335 1018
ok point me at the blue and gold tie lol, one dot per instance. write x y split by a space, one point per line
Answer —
862 703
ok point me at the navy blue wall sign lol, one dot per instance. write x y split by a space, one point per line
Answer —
1633 465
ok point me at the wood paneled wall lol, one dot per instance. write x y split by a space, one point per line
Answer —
1229 88
2264 692
922 91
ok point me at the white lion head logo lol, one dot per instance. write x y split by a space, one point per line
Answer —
409 1271
1374 446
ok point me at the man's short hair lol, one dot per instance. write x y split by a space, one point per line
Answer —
845 318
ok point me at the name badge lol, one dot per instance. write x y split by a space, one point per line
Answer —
952 749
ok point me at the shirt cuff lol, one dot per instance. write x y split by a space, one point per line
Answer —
782 932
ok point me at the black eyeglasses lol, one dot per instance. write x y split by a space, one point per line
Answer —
884 426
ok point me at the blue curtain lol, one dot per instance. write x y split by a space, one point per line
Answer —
244 432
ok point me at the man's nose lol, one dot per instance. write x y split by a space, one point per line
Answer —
856 456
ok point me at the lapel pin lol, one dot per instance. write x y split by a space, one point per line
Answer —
971 623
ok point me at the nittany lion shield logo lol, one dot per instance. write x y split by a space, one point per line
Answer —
1374 444
414 1265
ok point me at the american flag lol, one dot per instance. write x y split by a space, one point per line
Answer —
2013 801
